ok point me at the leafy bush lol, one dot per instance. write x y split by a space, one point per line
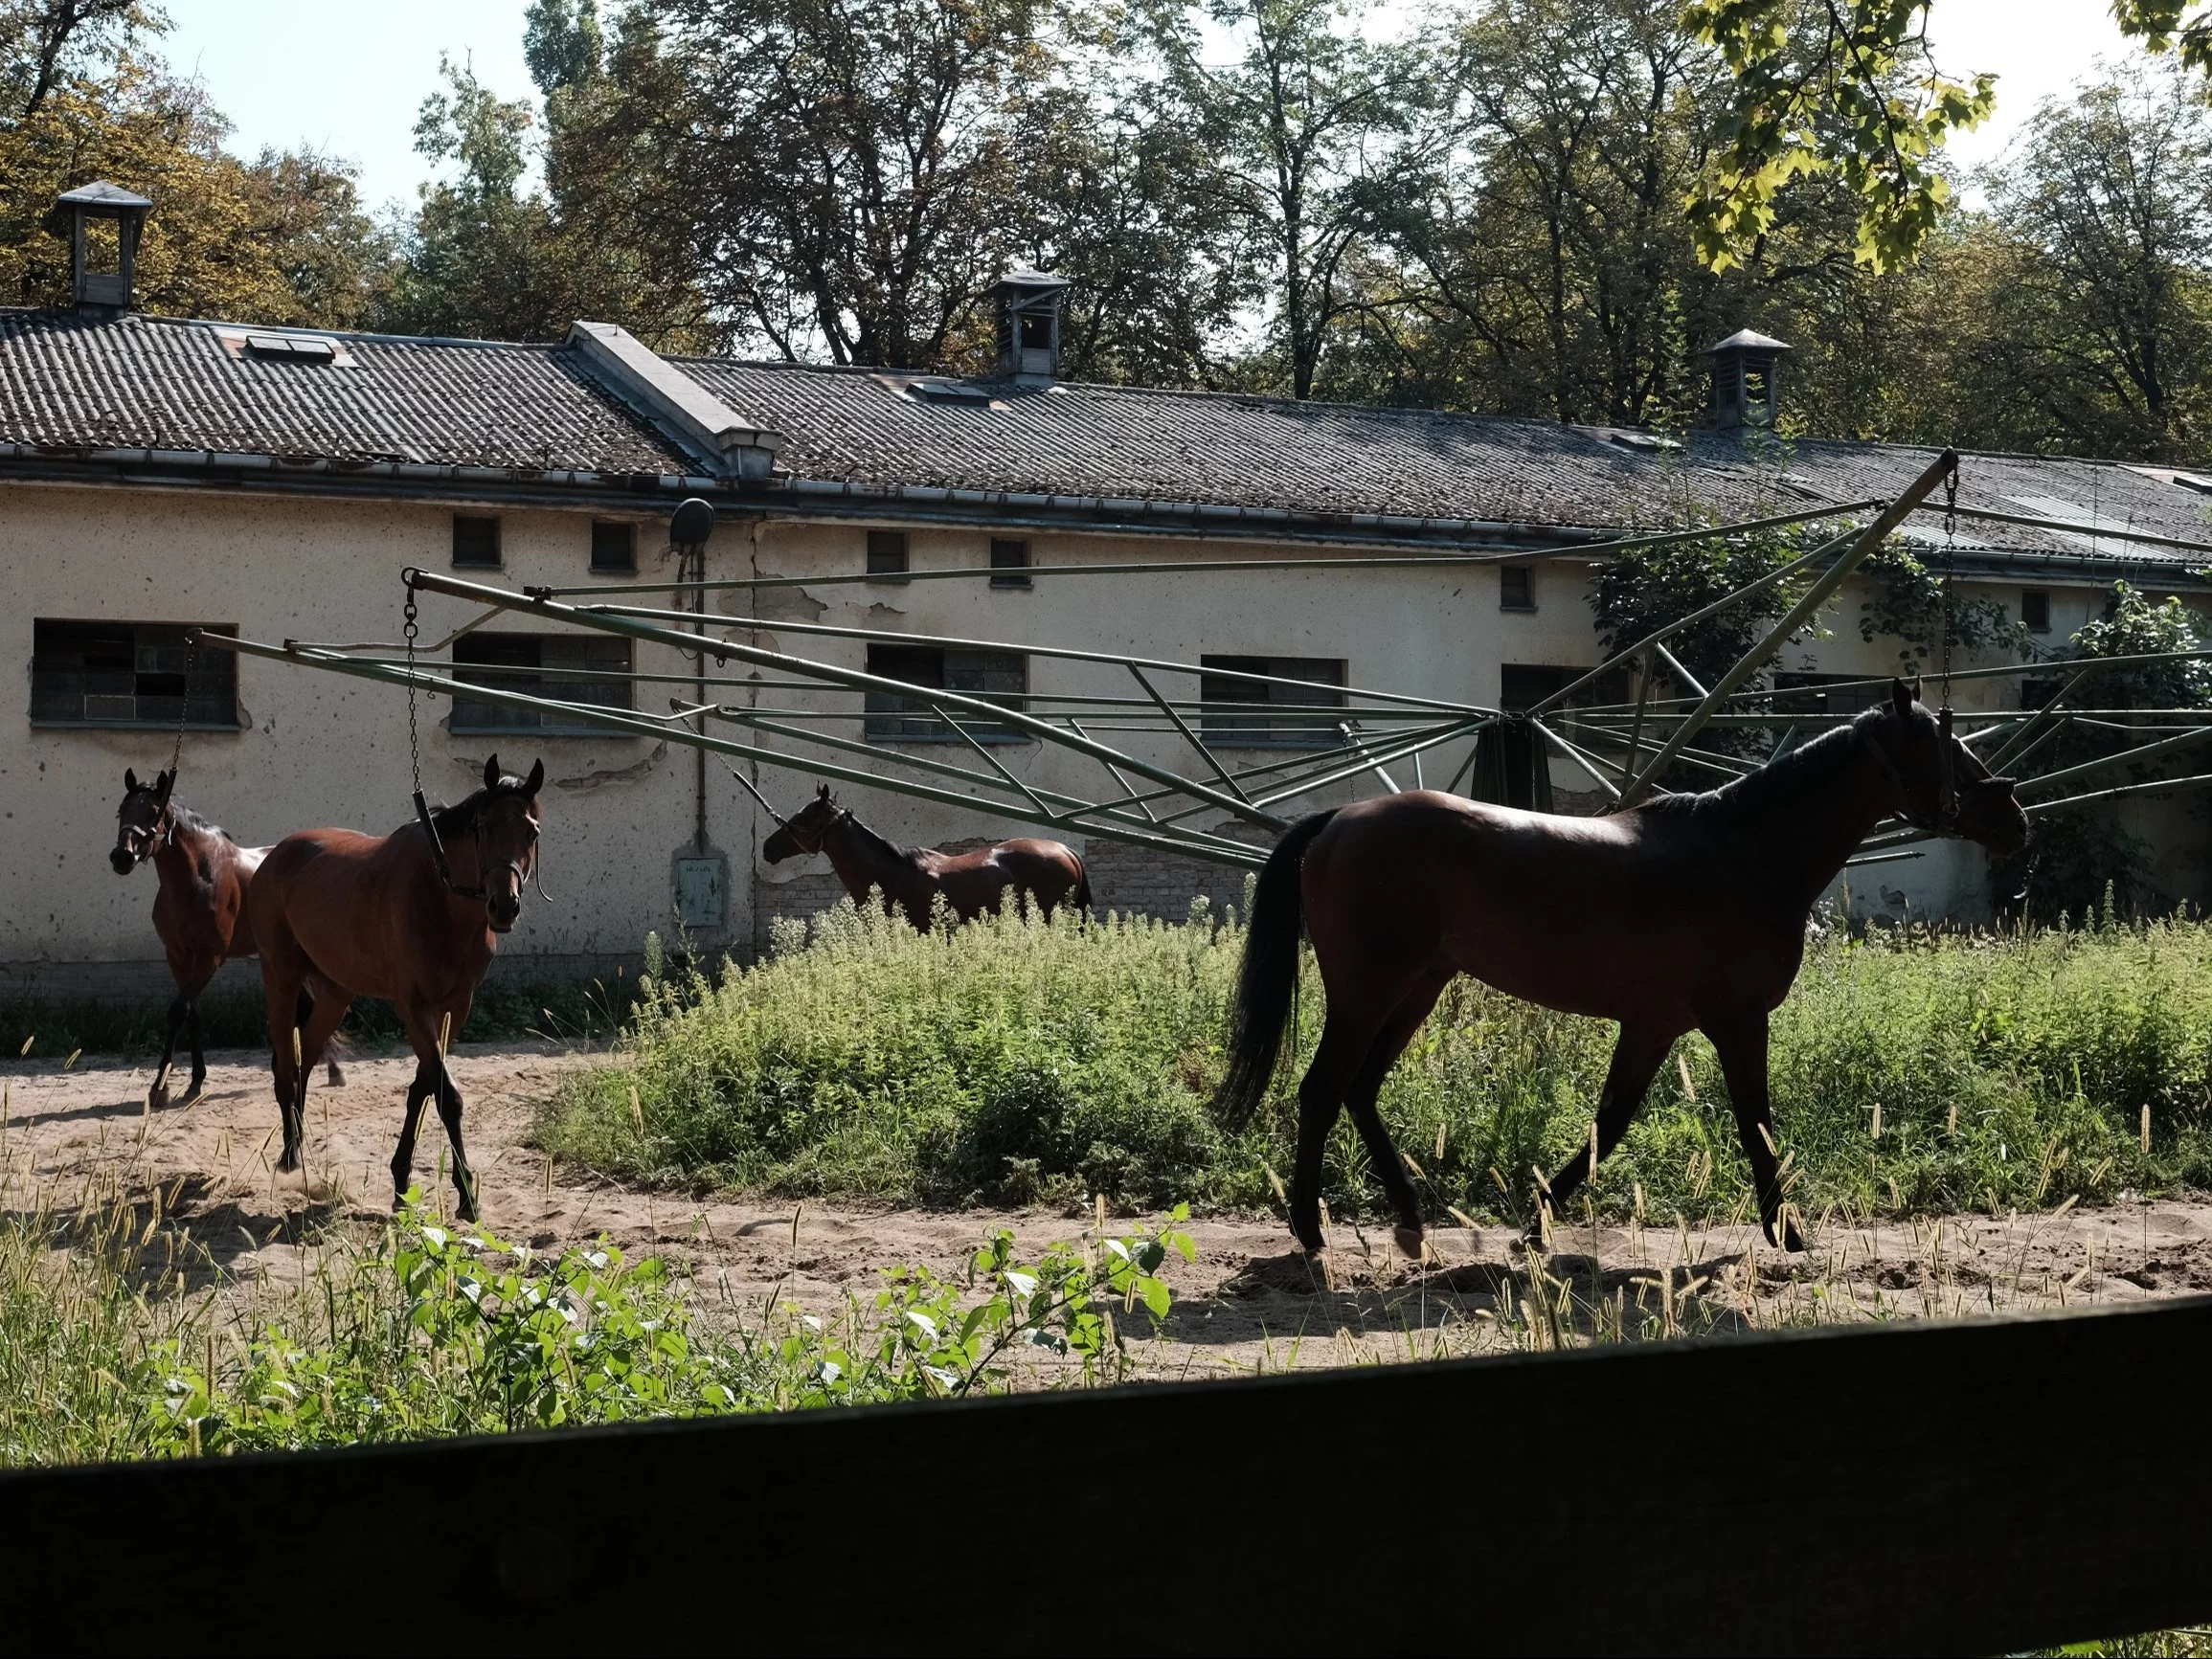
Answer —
1020 1062
432 1330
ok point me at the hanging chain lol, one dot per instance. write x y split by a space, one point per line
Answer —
1950 558
183 705
414 742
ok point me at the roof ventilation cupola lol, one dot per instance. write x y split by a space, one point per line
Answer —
1029 325
103 278
1747 373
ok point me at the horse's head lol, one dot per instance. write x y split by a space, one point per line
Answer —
1937 783
803 833
507 829
142 820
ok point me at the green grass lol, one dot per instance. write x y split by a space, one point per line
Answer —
1010 1061
133 1029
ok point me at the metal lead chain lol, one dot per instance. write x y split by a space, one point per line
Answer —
1949 556
183 706
414 742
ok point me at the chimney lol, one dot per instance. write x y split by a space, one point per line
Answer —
1747 369
1029 325
104 292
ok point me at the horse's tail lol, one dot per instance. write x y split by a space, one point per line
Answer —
1080 895
1268 980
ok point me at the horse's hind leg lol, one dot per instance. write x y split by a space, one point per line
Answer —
1345 1042
307 999
198 1035
1368 1087
1636 1057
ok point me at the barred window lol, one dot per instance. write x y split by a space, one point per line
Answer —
131 674
613 548
1243 712
566 667
1001 677
474 541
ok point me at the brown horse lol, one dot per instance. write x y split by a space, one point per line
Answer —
1687 912
199 912
912 878
345 915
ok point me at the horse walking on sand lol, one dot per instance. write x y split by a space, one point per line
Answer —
1048 873
414 918
1686 913
199 913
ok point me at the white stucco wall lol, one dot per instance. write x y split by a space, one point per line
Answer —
318 749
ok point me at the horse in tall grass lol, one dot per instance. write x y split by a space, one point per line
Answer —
1687 912
1046 873
414 917
200 910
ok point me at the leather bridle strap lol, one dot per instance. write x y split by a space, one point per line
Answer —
1947 792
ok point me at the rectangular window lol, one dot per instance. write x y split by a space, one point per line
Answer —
1811 694
474 541
557 666
887 552
1009 563
1516 587
615 547
1241 712
1001 677
131 674
2035 693
1522 686
2035 610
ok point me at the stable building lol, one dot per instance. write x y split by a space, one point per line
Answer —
162 474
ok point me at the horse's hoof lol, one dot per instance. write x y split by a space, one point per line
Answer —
157 1098
337 1078
1412 1242
196 1093
288 1163
1792 1240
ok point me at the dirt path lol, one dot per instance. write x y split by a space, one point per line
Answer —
1245 1305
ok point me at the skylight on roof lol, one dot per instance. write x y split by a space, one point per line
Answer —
268 345
953 391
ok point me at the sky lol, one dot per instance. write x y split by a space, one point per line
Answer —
347 78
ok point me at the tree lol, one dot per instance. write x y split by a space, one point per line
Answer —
845 177
280 240
1846 87
1301 130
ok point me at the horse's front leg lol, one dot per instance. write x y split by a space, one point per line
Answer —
157 1096
1741 1043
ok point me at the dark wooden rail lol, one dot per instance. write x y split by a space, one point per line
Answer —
1971 1488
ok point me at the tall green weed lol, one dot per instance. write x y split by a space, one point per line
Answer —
1017 1060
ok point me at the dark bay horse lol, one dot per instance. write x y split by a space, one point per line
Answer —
199 912
911 878
1687 912
343 914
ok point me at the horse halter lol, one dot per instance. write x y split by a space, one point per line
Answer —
837 815
157 837
1945 814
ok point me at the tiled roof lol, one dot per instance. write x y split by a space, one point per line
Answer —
1316 458
73 382
153 383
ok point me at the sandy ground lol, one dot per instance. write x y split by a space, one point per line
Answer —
1247 1304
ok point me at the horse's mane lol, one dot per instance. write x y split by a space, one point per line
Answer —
876 835
1776 782
189 819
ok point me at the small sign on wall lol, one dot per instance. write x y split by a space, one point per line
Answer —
700 884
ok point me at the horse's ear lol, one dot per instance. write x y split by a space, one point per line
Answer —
535 781
131 781
491 773
1901 699
162 785
823 790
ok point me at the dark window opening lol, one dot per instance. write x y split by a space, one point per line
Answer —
1516 587
1009 564
1757 390
1001 677
615 547
1522 686
1817 693
1243 712
131 674
562 667
2035 610
1036 331
887 552
2035 693
475 540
